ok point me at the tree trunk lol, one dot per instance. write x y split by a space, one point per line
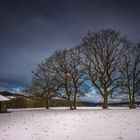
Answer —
105 96
47 103
75 95
132 101
75 106
70 103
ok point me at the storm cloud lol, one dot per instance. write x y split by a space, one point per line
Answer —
30 30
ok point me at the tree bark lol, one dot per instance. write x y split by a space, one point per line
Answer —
70 103
75 95
105 104
132 102
47 103
75 106
105 97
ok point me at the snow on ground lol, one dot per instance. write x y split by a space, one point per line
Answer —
86 123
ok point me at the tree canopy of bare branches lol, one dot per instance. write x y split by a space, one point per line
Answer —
101 57
45 82
105 58
66 63
130 71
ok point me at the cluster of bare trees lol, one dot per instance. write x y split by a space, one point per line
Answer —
59 75
130 73
105 58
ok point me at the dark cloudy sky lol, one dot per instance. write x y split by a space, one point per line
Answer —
31 30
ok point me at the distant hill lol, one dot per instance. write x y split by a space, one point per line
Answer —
7 93
110 104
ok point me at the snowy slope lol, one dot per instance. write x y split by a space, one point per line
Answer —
64 124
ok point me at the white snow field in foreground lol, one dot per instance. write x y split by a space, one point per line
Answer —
85 123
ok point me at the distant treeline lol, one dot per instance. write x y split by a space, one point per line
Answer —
23 102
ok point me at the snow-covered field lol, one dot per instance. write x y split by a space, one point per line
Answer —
86 123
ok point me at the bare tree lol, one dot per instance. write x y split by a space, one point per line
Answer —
130 70
101 57
59 75
45 82
76 72
66 63
61 67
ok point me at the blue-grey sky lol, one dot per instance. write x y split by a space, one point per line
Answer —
31 30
